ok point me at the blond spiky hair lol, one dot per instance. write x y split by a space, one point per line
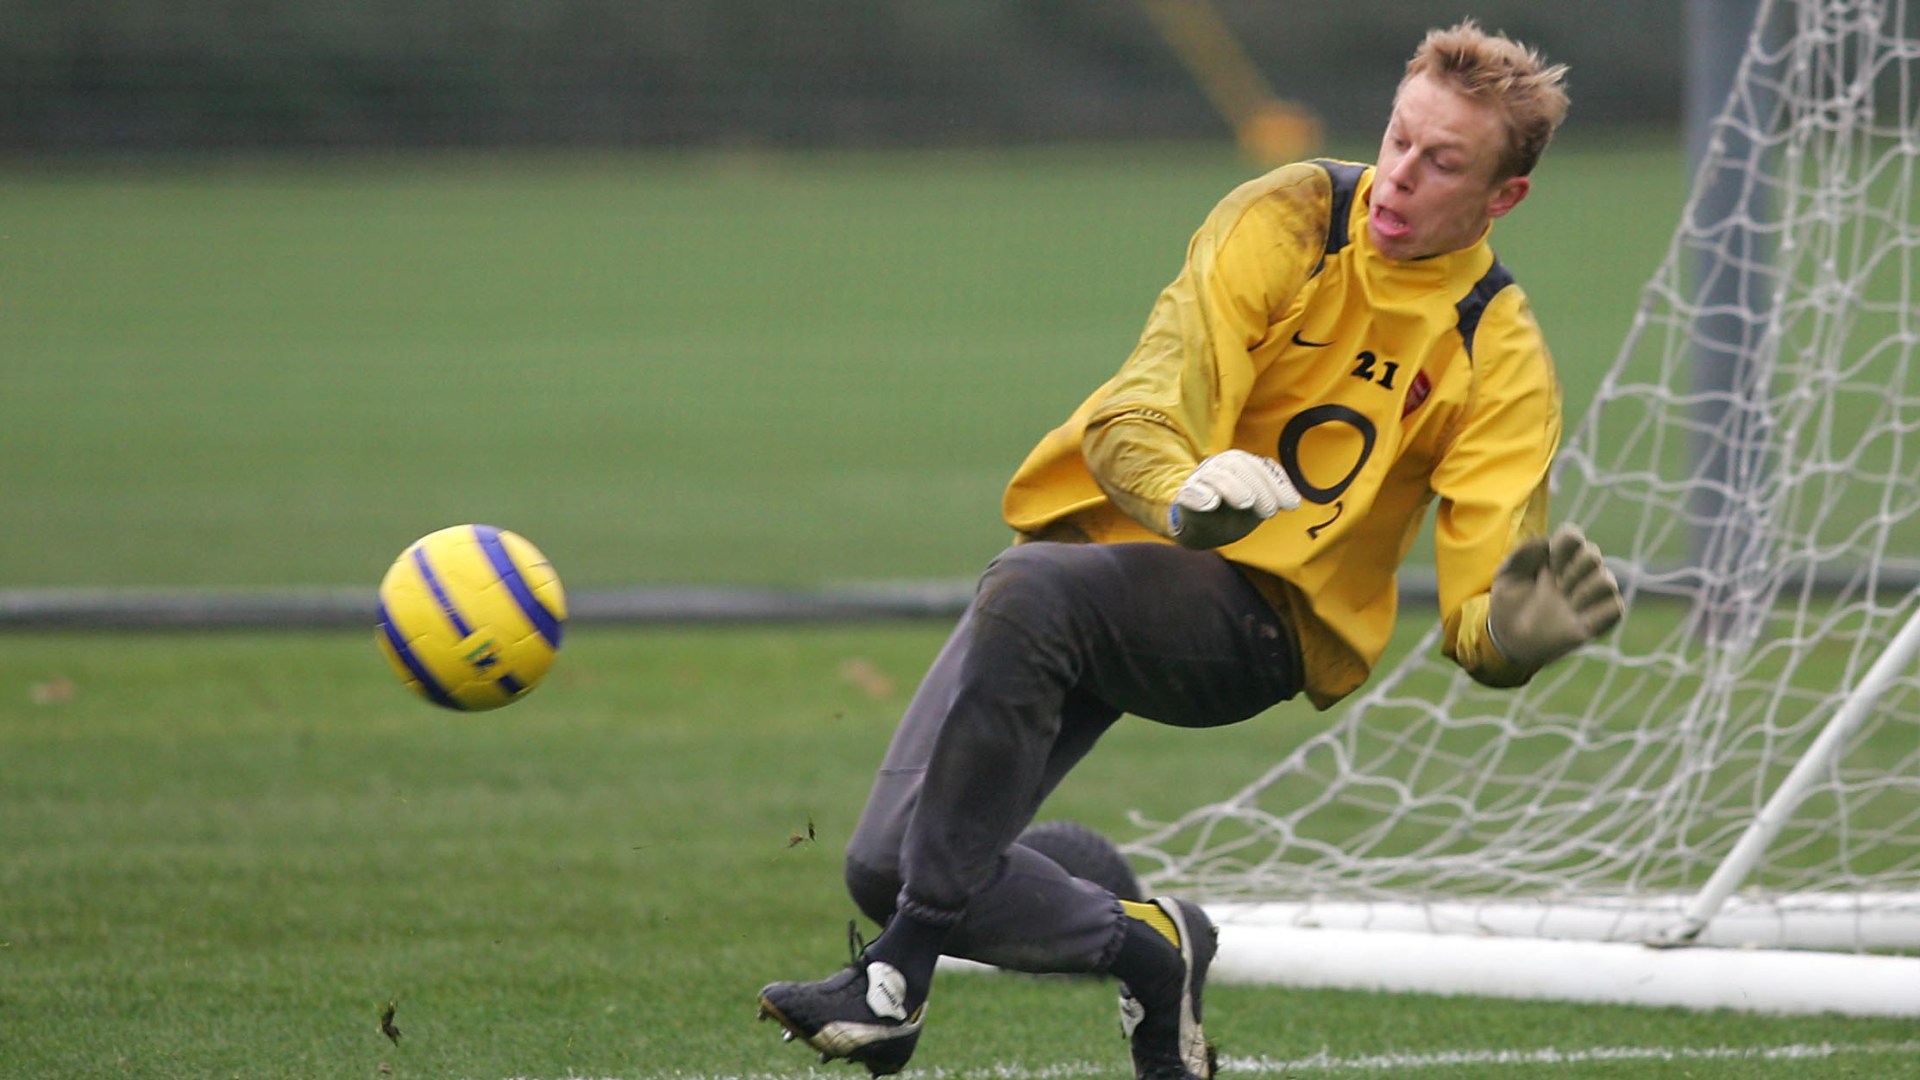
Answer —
1495 68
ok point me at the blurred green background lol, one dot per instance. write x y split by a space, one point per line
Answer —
778 369
172 74
686 293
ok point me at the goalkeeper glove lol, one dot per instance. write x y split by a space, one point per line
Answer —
1550 597
1226 496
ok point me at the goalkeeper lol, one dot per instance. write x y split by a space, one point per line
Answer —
1217 529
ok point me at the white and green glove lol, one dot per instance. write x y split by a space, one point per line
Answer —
1226 496
1550 597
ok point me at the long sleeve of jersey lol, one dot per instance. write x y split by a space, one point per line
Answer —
1177 399
1505 445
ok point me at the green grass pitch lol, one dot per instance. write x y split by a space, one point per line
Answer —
225 854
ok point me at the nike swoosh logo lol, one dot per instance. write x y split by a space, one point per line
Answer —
1305 344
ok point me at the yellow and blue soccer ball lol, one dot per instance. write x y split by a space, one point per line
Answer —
471 617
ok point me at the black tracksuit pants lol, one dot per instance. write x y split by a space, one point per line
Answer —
1059 642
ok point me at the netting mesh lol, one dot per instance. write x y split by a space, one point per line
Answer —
1751 465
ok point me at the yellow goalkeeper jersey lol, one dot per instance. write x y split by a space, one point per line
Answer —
1379 385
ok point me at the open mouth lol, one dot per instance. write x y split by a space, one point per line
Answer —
1389 224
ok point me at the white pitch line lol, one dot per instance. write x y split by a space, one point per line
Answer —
1325 1062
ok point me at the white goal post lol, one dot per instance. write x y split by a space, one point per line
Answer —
1734 773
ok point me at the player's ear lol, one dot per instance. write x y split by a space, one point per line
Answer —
1507 195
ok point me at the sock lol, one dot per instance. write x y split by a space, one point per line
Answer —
1149 954
913 948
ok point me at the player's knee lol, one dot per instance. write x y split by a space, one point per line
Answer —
1029 585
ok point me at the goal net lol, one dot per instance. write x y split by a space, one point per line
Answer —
1751 466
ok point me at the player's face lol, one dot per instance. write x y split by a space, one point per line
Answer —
1434 190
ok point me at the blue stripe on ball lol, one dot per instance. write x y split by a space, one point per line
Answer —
530 605
428 685
432 579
